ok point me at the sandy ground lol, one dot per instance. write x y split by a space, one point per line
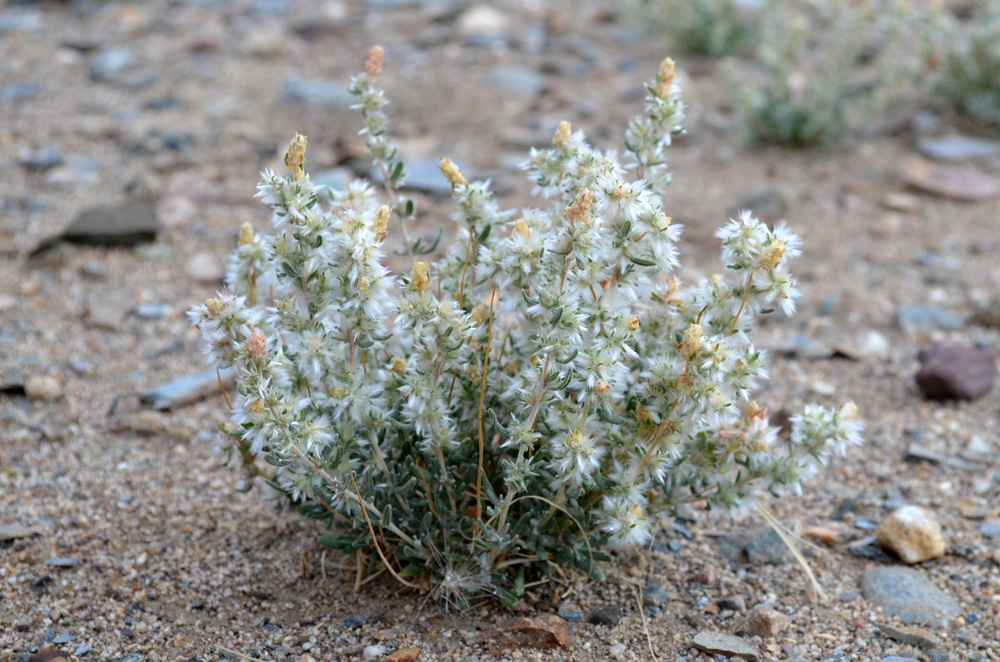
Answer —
170 562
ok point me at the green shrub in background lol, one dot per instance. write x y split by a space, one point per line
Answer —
968 75
716 28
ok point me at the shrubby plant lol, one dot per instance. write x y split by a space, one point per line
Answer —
545 390
804 90
716 28
969 64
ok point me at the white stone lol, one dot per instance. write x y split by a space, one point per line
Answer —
43 387
374 651
913 533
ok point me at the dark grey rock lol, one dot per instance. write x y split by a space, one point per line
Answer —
872 553
768 205
19 91
43 159
606 615
327 94
896 658
937 655
62 562
571 615
125 225
759 546
354 621
736 603
956 373
108 64
519 80
957 148
718 643
923 317
767 548
916 452
653 596
990 529
185 390
908 594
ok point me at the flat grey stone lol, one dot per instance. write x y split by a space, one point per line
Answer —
718 643
19 91
185 390
924 317
957 148
62 562
908 594
990 529
43 159
424 175
519 80
327 94
109 63
125 225
13 531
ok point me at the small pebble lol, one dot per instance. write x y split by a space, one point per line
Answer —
374 651
912 533
766 622
956 373
45 388
617 651
62 562
607 615
354 622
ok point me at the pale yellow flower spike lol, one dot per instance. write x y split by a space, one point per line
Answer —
381 223
373 63
246 235
522 229
420 280
666 77
563 133
295 157
771 256
452 172
692 341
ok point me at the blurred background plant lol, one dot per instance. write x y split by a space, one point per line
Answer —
715 28
965 61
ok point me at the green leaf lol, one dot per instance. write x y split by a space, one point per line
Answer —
519 582
556 316
529 300
568 359
610 417
490 494
504 432
641 262
506 596
484 234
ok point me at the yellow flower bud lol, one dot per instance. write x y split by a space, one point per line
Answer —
398 365
522 229
213 307
632 324
246 235
849 411
452 172
295 157
692 341
381 222
563 133
665 78
771 255
374 60
420 280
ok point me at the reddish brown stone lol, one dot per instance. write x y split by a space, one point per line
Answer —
545 631
962 373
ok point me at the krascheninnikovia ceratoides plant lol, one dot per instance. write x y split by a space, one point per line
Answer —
546 389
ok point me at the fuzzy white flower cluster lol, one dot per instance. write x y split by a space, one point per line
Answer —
550 369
